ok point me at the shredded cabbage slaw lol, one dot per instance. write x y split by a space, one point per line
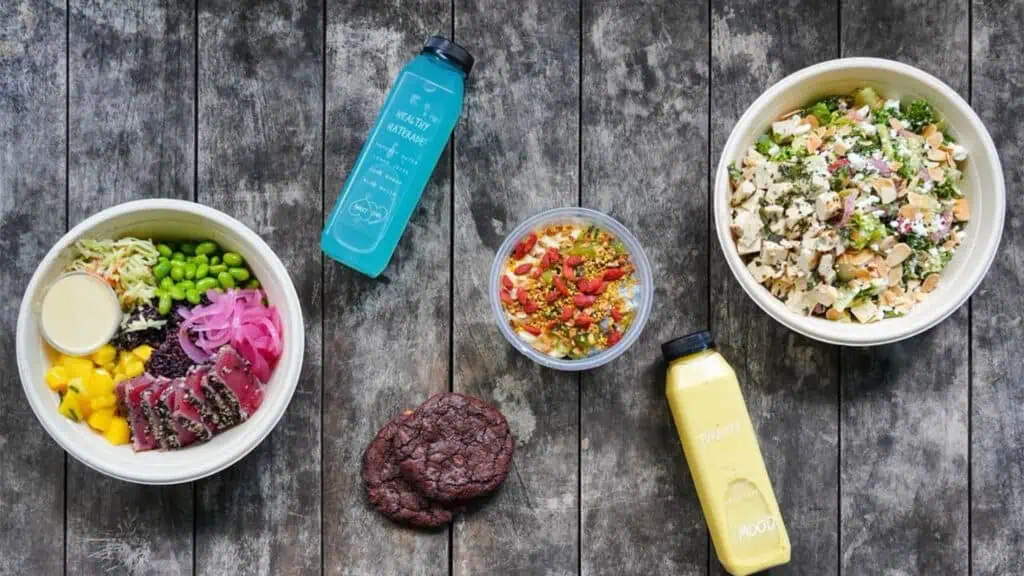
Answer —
125 264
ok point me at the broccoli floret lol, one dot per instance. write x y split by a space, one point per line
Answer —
839 178
946 190
783 154
920 114
905 171
764 144
865 229
794 171
917 242
882 116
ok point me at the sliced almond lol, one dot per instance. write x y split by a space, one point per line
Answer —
920 296
813 143
895 275
935 139
895 124
930 283
812 120
962 210
898 254
887 243
844 130
789 114
840 149
895 165
881 268
835 315
937 174
936 155
909 212
830 132
951 243
885 188
929 130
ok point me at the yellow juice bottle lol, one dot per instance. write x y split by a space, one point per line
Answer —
725 461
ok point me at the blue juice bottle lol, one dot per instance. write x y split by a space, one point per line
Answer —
396 161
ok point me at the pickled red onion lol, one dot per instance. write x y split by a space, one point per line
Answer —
236 317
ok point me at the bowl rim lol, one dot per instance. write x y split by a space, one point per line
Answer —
878 333
252 437
636 252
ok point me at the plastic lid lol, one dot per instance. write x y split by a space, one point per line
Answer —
686 345
450 51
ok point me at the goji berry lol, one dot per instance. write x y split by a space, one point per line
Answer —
612 274
560 286
552 296
583 321
574 260
506 282
531 329
601 287
506 297
522 269
553 255
525 245
616 315
567 313
522 296
552 324
582 300
529 307
588 285
536 273
567 271
614 336
545 261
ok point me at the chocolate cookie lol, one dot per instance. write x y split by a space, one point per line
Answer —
454 448
389 493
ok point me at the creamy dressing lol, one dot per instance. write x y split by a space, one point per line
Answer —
79 314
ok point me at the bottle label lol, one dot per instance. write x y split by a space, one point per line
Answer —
397 148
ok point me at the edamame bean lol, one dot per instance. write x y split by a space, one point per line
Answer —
216 269
226 280
206 284
177 273
190 270
162 259
186 285
202 270
206 248
254 283
240 274
166 282
187 248
164 250
193 296
164 307
178 257
176 293
232 259
201 259
161 270
214 260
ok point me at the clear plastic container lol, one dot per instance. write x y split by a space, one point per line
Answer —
644 292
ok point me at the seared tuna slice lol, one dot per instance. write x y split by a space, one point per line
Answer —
130 395
160 414
187 420
241 388
194 396
221 400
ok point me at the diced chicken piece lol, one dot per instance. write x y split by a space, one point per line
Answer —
748 226
797 212
753 203
742 192
898 254
825 270
765 174
823 294
760 271
866 312
790 127
807 260
819 184
777 191
797 302
828 205
753 157
772 253
773 211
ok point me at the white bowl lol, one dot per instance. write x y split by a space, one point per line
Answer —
162 219
983 186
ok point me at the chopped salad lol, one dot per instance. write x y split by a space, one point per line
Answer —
849 209
569 290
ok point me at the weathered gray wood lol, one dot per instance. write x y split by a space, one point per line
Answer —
260 158
131 115
386 340
791 383
904 406
516 154
33 87
645 162
997 423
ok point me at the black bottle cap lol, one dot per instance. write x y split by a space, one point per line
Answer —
450 51
686 345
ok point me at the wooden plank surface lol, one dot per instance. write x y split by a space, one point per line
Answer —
904 406
645 162
33 89
387 340
516 154
260 158
131 115
997 423
791 383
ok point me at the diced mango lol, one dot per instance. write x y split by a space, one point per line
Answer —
101 382
77 386
110 367
134 368
79 368
84 406
104 355
143 352
103 401
122 361
117 431
118 378
57 378
100 419
69 407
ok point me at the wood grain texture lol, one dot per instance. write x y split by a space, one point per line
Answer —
131 115
33 88
645 162
997 423
904 406
791 383
516 154
260 136
387 344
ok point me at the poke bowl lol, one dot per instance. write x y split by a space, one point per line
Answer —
571 289
859 201
206 358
